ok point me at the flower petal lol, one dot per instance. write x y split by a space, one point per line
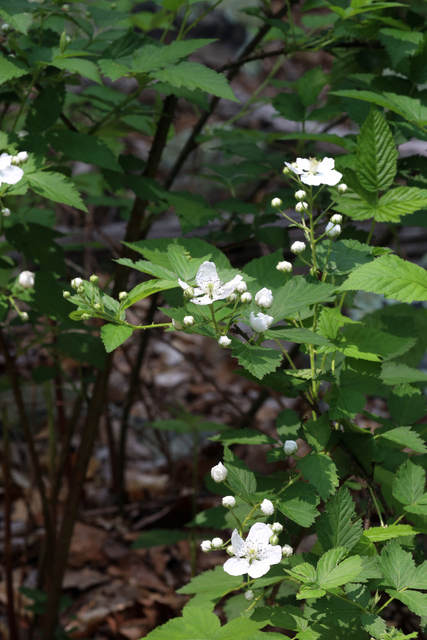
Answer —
237 543
183 284
207 274
273 554
203 300
11 174
313 179
237 566
5 160
259 532
230 286
292 168
326 165
257 568
303 164
331 178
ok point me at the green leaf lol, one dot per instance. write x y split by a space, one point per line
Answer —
288 425
400 44
83 148
406 404
334 527
243 436
321 472
373 624
405 437
148 288
390 207
259 361
348 396
82 347
409 108
295 334
332 573
18 19
38 244
310 85
298 503
289 106
56 187
157 537
409 483
239 477
298 294
113 335
84 68
10 69
344 256
192 209
195 623
397 565
46 108
318 432
193 75
392 277
376 157
382 534
394 373
152 57
414 600
210 587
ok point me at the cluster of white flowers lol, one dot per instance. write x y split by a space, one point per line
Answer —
211 545
9 172
20 158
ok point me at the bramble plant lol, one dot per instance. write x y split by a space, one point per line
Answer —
330 543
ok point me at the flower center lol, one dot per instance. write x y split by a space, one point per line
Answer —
313 165
210 288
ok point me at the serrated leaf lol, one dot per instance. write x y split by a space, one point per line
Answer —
335 528
396 565
409 108
409 483
145 289
239 477
310 85
46 108
318 432
382 534
298 503
288 425
321 472
243 436
344 255
193 75
84 68
300 336
373 624
259 361
18 19
9 69
395 373
405 437
332 573
152 57
376 157
414 600
392 277
299 293
83 148
406 404
400 44
113 335
210 586
113 69
390 207
56 187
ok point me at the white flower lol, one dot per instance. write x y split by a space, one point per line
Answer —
246 297
287 550
224 342
249 595
332 230
298 247
300 207
24 316
209 286
276 527
315 172
229 502
255 555
284 266
217 543
26 279
336 218
242 287
300 195
267 507
260 322
6 27
206 546
5 212
8 173
264 298
342 188
219 472
188 321
76 283
276 203
177 325
290 447
22 134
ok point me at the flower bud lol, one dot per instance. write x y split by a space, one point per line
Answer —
76 283
85 316
332 230
246 297
189 293
300 195
80 289
123 295
24 316
230 550
219 472
94 279
276 203
177 325
5 212
342 188
290 447
301 207
66 294
26 279
249 595
224 342
286 171
336 218
277 527
264 298
298 247
260 322
21 157
229 502
242 287
97 306
284 266
217 543
274 539
287 551
206 546
232 297
267 507
22 134
188 321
